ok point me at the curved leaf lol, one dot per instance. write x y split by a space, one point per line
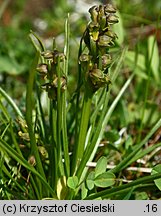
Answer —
101 166
72 182
105 180
90 180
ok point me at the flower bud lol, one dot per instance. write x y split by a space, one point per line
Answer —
24 136
84 58
109 8
105 41
107 79
98 79
42 69
63 82
111 34
95 75
47 54
112 19
32 160
43 152
106 60
58 55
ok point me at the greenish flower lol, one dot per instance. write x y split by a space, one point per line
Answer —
63 82
58 55
105 41
84 58
42 69
112 19
47 54
98 79
106 60
109 8
111 34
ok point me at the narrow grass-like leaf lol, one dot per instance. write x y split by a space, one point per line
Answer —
42 48
144 152
128 195
6 172
85 115
64 99
11 102
4 110
14 139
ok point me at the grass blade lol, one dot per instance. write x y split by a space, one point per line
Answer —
11 102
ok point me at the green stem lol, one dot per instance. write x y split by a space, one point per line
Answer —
53 153
65 137
4 111
59 121
17 146
64 99
85 114
59 112
43 125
